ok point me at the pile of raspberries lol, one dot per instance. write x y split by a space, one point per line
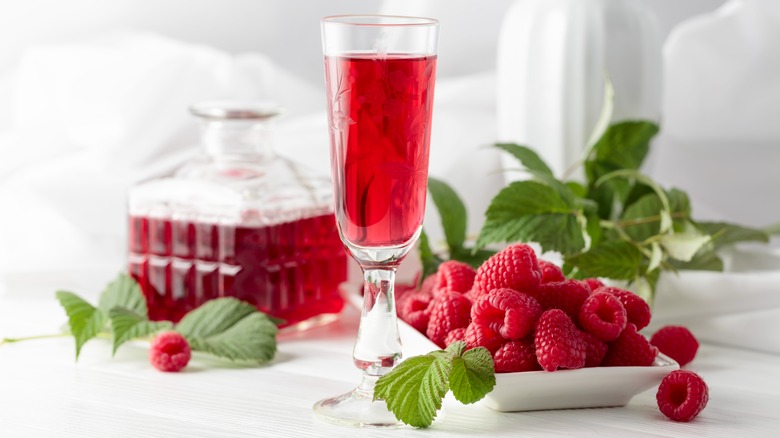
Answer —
531 318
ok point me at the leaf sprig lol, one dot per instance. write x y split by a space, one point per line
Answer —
414 390
618 223
225 327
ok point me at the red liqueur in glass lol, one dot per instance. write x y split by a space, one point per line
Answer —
383 108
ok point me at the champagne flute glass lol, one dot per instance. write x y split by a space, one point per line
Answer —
379 74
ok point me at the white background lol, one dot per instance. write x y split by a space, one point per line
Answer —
288 31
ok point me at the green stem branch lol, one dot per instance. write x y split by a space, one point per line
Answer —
31 338
4 341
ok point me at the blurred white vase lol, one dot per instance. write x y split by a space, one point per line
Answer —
553 56
721 105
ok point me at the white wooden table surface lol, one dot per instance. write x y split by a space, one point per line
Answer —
43 393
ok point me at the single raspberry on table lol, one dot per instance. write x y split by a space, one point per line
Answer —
458 334
515 267
593 283
595 350
682 395
603 315
413 308
637 309
565 295
558 342
449 311
516 356
676 342
630 349
454 276
551 273
169 351
506 311
478 335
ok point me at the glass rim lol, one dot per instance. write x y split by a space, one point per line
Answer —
375 20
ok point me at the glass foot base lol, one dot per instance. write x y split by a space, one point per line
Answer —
357 409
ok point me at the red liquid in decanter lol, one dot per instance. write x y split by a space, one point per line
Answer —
290 270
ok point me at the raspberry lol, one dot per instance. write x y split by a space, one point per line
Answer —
558 342
515 267
515 356
603 315
402 289
676 342
482 336
413 309
506 311
551 273
429 284
595 350
449 311
593 283
472 294
637 309
169 351
565 295
682 395
459 334
455 276
630 349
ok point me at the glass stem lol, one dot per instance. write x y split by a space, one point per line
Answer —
378 345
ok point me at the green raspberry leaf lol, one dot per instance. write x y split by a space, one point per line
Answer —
84 319
638 190
528 211
455 349
610 195
683 246
126 324
680 206
123 292
772 230
594 230
414 390
706 259
527 157
642 219
724 233
656 257
472 375
618 260
213 317
538 169
624 145
452 212
578 189
230 329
